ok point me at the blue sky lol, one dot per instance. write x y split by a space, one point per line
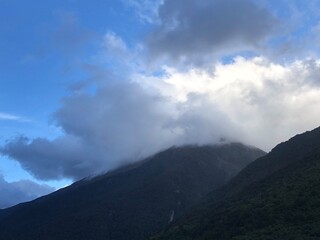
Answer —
87 86
39 59
44 47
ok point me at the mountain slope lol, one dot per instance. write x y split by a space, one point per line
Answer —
275 197
130 203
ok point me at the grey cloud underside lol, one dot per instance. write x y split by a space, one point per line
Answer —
21 191
62 157
195 29
124 121
119 124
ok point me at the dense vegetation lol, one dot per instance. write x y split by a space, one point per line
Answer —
276 197
130 203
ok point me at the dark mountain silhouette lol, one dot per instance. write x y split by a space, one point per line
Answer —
275 197
132 202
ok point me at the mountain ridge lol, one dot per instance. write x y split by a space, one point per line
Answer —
275 197
130 204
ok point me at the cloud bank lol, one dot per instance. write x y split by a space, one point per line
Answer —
11 117
117 117
254 101
21 191
194 31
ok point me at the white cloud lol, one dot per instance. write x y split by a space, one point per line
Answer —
270 102
112 119
146 10
114 43
11 117
254 101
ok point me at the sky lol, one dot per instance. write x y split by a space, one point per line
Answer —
88 86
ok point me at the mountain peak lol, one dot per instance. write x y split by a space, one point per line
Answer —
132 202
275 197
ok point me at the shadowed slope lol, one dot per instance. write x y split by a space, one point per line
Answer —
130 203
275 197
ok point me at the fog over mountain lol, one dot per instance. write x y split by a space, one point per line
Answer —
132 202
275 197
127 79
123 122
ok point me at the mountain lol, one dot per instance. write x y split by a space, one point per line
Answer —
275 197
132 202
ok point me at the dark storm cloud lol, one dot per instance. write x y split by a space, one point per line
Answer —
191 31
21 191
